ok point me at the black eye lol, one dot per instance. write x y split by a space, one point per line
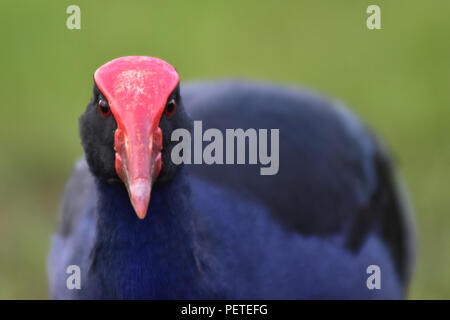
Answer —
170 107
103 107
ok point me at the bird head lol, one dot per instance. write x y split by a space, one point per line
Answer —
125 130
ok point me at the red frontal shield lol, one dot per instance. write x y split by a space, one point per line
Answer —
137 89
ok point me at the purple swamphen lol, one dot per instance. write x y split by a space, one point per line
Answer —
140 226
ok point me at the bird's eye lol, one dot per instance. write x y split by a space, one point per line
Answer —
103 107
170 107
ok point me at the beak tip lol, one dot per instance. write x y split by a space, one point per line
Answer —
141 215
140 196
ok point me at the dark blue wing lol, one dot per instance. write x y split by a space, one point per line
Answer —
334 177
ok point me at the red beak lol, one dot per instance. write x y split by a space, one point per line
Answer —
137 89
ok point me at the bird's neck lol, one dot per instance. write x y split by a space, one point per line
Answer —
146 257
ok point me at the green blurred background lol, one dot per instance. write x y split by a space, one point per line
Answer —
396 78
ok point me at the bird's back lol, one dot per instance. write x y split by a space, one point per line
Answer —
335 178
